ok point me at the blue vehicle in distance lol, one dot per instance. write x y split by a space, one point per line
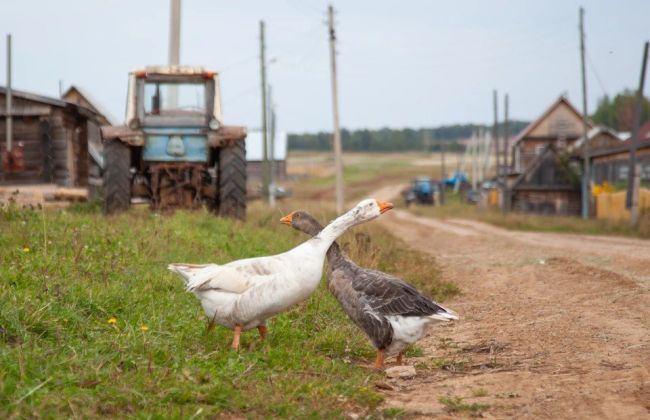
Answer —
174 150
422 190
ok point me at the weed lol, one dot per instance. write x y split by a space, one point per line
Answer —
480 392
456 405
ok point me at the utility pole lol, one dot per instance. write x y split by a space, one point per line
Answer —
175 33
443 173
338 158
506 151
272 151
265 157
174 44
632 197
506 133
474 159
586 177
495 131
8 101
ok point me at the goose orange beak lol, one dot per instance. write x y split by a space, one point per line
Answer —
384 206
287 219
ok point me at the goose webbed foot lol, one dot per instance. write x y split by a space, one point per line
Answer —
235 339
263 330
379 360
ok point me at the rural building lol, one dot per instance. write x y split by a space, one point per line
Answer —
560 125
550 184
53 135
78 96
611 161
254 155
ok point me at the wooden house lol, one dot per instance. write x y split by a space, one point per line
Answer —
610 161
53 135
549 184
560 125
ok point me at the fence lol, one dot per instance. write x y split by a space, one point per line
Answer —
611 205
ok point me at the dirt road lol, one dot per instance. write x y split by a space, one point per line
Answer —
552 325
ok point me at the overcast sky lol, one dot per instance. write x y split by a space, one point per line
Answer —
401 64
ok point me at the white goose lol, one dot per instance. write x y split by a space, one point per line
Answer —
243 294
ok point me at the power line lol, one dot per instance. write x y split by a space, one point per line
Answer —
595 72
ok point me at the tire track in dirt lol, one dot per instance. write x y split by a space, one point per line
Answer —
552 325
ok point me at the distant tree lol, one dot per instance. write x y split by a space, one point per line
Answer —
393 140
619 113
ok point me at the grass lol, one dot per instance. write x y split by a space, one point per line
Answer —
457 405
93 325
453 208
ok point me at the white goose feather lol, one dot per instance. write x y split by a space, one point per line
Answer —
248 292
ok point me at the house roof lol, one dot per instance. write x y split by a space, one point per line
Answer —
95 105
559 101
34 97
593 132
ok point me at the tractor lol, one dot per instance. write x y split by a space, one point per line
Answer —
174 150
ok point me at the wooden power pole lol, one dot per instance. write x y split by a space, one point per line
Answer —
506 133
265 157
632 197
271 150
495 132
586 177
175 33
8 100
338 158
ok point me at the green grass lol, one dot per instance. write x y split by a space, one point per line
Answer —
453 208
457 405
65 274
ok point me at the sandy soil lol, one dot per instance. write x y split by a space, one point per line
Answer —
552 325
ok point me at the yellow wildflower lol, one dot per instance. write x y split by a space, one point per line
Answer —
25 249
112 321
144 328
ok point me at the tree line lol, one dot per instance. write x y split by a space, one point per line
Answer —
616 113
393 140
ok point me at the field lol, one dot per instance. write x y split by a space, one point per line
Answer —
92 324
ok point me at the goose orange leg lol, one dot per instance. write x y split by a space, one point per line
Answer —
379 361
262 329
235 339
400 356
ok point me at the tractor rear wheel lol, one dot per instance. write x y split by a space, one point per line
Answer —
116 179
232 180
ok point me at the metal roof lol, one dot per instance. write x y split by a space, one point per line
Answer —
34 97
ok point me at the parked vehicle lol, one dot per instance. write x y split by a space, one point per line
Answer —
174 150
421 191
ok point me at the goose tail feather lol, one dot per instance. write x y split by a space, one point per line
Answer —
445 314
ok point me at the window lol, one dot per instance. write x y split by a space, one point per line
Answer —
174 98
539 149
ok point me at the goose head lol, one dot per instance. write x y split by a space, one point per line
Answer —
369 209
302 221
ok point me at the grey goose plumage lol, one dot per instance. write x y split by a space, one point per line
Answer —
391 312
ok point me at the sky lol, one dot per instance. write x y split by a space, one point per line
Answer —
401 64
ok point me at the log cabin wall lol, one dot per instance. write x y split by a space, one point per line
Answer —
54 136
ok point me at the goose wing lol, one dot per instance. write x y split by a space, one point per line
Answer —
389 295
213 277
